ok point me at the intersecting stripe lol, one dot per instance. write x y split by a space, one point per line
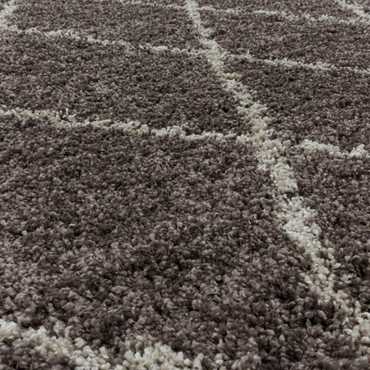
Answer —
131 48
294 215
135 127
83 357
151 3
6 12
263 12
309 18
356 8
287 15
333 150
289 63
66 121
77 35
296 218
178 164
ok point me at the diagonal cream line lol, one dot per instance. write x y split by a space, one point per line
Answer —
355 8
358 152
160 49
66 121
6 12
272 159
52 347
289 16
290 63
130 47
153 4
309 18
263 12
154 356
296 218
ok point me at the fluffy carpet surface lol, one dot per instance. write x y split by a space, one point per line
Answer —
184 185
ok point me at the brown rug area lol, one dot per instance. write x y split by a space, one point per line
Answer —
184 185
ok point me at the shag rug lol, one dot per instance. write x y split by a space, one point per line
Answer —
184 184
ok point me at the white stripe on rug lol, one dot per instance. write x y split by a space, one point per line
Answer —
6 12
312 146
355 8
290 63
297 219
264 12
83 357
67 121
159 49
329 19
130 126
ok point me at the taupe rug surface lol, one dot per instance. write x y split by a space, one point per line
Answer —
184 184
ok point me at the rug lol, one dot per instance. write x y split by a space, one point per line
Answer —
184 185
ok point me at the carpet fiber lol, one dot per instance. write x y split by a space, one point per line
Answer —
184 185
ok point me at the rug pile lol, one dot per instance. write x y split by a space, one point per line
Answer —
184 185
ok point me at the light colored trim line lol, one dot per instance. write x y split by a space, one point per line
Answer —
289 63
286 63
130 126
11 6
312 146
212 9
287 15
83 357
263 12
355 8
6 12
152 4
310 18
66 121
160 49
69 33
296 218
130 47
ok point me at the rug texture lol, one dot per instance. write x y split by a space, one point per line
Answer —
185 185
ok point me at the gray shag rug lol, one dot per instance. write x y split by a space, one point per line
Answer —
184 185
